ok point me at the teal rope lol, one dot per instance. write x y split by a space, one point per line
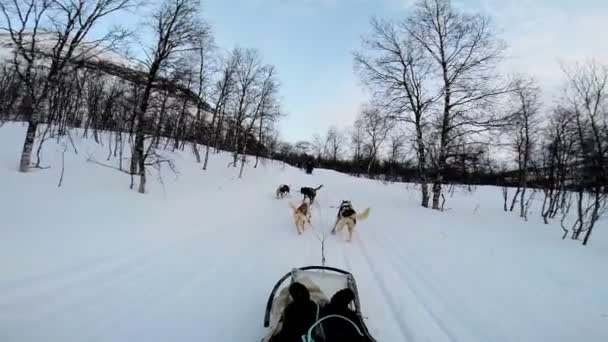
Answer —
308 337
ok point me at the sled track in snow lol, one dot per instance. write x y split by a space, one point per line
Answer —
423 291
388 298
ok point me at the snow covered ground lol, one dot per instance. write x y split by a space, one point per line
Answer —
195 259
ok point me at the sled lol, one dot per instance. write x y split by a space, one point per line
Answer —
328 280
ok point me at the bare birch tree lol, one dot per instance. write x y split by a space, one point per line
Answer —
376 127
223 90
526 99
53 33
174 25
464 51
394 66
334 143
586 98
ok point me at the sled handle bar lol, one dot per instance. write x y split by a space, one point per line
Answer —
289 274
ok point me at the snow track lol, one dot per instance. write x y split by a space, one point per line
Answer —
94 261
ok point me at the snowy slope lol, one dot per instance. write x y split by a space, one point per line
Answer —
195 260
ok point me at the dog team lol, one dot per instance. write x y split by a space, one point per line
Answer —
346 218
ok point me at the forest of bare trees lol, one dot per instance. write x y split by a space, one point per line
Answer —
439 100
180 91
439 103
436 71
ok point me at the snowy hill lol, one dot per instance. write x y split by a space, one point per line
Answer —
196 257
107 63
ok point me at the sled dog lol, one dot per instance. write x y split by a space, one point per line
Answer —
310 193
347 216
282 190
301 215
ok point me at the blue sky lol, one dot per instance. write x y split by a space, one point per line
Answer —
311 43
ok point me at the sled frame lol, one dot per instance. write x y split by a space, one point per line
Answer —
350 280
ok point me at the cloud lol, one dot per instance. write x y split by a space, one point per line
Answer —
543 34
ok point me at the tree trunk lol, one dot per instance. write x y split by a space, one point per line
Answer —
436 194
524 175
180 119
210 142
257 154
235 155
161 114
134 164
142 176
41 144
438 178
197 155
581 215
544 212
522 203
120 151
445 127
207 148
140 158
138 163
28 146
218 132
243 159
425 193
369 166
422 163
515 197
594 215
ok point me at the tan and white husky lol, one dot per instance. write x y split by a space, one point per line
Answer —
301 215
347 216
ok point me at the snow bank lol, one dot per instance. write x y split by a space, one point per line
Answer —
195 258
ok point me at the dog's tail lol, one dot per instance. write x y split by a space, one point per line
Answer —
319 187
363 215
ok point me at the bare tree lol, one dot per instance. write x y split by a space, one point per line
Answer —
265 104
269 108
526 99
272 142
464 51
247 74
318 146
397 143
223 90
376 127
10 91
356 141
302 147
586 98
558 154
174 25
204 46
334 143
66 25
396 69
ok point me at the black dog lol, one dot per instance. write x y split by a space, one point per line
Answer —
283 190
310 193
298 316
337 329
